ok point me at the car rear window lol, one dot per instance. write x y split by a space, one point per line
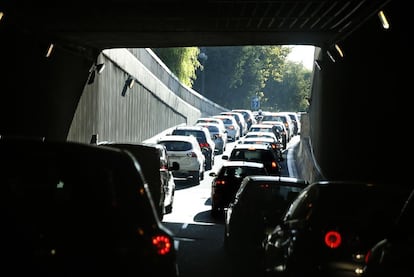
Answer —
177 145
251 155
200 135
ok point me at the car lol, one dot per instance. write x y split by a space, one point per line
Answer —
274 143
186 151
392 255
329 227
157 171
248 116
270 117
211 119
296 122
226 181
218 135
255 153
257 207
240 121
233 129
76 209
276 127
203 137
261 134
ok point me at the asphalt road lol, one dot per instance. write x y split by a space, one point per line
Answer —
199 236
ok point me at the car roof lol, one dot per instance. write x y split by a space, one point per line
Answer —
190 127
271 178
258 138
251 146
178 138
242 164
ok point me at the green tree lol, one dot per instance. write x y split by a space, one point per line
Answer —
182 61
234 74
290 92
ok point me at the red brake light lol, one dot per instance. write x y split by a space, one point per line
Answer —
220 182
163 244
204 144
368 257
333 239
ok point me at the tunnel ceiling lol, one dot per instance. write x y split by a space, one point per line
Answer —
162 23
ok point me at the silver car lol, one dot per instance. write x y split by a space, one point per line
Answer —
218 135
233 129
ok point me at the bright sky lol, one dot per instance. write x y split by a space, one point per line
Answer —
302 53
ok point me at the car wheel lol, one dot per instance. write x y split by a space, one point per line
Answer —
196 177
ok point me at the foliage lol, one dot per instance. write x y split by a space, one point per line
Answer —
289 93
182 61
232 75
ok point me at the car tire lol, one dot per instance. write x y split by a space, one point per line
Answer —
196 177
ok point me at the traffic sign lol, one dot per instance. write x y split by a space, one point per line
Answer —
255 103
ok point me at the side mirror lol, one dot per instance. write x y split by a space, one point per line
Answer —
225 157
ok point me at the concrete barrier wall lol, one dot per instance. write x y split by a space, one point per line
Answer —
306 166
157 101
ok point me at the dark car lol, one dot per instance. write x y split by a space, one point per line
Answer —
227 181
255 153
257 207
393 255
156 169
73 209
330 226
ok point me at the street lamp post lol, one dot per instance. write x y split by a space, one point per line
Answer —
203 58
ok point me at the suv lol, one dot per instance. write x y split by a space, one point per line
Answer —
203 136
75 209
154 162
248 116
256 153
186 151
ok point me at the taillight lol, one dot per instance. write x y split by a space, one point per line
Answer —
333 239
163 244
368 256
220 182
204 144
274 164
193 154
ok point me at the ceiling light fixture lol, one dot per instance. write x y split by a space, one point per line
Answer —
49 50
95 68
384 20
129 83
339 50
330 56
100 67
